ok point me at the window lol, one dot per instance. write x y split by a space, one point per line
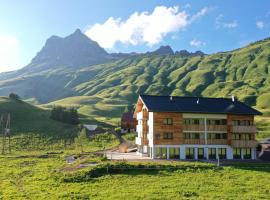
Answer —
237 153
246 153
217 136
168 136
246 136
157 136
212 153
189 153
160 152
174 153
168 121
194 121
222 153
236 136
201 153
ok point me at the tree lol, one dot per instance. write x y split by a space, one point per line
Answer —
14 96
65 115
81 141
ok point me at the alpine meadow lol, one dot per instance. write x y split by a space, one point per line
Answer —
145 100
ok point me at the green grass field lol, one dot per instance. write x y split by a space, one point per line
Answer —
42 177
36 167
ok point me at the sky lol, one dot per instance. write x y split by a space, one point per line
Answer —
130 26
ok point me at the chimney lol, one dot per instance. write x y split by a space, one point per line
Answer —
198 101
171 98
233 98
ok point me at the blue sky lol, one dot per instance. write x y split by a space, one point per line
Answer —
125 26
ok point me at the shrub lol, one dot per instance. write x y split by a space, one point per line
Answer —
14 96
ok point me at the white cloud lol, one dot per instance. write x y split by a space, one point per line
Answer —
9 53
142 28
199 14
260 24
232 24
196 43
220 23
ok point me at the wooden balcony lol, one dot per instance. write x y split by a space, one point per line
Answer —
244 129
142 115
217 141
194 141
193 127
141 141
244 143
217 128
202 141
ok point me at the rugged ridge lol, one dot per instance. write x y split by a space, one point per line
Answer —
75 50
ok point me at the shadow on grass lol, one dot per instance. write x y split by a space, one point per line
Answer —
258 167
133 170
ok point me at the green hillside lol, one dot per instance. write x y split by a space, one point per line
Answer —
103 91
28 119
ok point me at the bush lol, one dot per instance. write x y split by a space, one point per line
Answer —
14 96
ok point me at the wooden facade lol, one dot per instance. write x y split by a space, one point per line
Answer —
170 130
176 128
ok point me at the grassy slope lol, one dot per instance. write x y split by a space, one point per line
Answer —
108 88
243 72
28 119
35 177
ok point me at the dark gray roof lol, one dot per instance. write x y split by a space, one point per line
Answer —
197 105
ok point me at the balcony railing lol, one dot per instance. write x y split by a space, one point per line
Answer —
244 143
194 141
139 115
142 128
201 127
217 128
138 140
193 127
209 141
244 129
139 128
217 141
142 115
141 141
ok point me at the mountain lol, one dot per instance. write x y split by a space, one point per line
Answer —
163 50
75 50
186 53
105 89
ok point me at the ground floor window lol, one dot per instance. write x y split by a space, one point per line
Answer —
212 153
190 153
161 152
246 153
222 152
201 153
237 153
174 153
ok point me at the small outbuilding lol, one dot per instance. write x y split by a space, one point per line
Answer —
128 123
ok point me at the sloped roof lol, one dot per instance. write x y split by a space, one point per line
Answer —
196 105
